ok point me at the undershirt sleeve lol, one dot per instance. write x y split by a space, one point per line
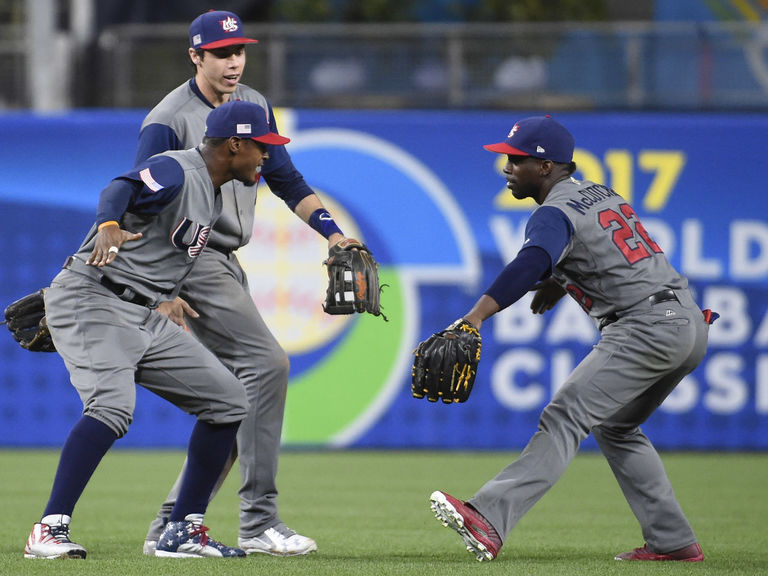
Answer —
156 138
519 276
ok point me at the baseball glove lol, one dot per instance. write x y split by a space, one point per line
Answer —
445 364
26 320
353 280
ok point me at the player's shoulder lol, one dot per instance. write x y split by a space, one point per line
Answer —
164 170
179 102
244 92
572 190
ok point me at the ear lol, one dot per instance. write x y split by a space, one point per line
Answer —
546 167
194 57
234 143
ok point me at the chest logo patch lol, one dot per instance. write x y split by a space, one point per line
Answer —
190 236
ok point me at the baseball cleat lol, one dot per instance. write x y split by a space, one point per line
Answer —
149 547
481 538
690 553
49 539
188 538
278 541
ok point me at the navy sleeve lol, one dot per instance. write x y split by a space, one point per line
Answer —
529 266
115 198
282 177
287 183
146 189
550 229
156 138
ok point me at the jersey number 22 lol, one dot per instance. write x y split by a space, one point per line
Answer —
625 225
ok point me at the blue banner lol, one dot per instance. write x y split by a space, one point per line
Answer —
430 202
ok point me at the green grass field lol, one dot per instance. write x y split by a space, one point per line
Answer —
369 513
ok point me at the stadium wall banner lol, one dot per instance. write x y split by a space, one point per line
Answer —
419 189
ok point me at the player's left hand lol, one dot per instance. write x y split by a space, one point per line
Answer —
176 310
353 279
108 242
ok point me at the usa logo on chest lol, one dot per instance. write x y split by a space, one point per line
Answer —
190 236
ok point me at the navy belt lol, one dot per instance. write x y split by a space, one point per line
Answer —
662 296
122 291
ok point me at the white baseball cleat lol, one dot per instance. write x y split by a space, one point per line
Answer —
149 547
278 541
49 539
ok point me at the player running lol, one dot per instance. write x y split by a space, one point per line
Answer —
587 241
152 224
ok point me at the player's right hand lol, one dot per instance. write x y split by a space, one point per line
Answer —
175 311
109 239
548 293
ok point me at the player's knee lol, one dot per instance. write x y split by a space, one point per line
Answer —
280 366
608 433
226 408
267 379
116 419
561 419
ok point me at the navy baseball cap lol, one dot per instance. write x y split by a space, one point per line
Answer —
244 120
537 136
216 29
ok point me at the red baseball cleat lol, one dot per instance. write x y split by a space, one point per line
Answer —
690 553
480 537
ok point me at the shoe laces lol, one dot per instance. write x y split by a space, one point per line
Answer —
202 531
283 530
59 533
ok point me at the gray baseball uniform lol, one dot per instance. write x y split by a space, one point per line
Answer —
230 324
105 330
653 334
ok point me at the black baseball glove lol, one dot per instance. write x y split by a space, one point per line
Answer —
25 319
445 364
353 280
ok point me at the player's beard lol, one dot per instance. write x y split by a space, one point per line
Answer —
521 192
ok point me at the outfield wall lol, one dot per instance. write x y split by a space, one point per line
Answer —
430 202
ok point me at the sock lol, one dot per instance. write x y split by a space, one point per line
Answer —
86 445
209 448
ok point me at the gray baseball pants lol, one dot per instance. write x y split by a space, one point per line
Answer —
109 346
231 327
636 364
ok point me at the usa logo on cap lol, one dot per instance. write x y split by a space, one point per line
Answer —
216 29
229 25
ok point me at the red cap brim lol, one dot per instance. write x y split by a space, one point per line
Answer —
271 138
227 42
504 148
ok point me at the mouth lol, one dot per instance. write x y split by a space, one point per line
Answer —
231 79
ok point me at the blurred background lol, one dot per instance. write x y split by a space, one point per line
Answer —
563 54
388 104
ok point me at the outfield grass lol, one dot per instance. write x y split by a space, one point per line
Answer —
368 512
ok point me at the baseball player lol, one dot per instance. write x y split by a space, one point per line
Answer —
152 224
587 241
216 295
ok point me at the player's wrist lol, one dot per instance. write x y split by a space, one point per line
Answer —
323 223
108 223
